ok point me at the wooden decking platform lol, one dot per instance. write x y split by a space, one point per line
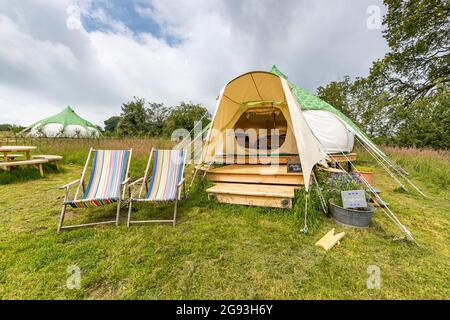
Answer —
266 174
260 180
255 185
276 196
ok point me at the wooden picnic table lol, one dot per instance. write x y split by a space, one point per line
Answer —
9 149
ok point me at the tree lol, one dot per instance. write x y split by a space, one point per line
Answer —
184 116
11 127
134 118
418 35
157 114
404 100
112 123
5 127
337 93
426 123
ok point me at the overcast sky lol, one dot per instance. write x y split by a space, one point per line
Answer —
96 54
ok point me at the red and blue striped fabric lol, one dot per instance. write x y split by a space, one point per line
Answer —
166 175
107 173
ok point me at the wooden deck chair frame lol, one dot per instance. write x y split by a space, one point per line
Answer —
143 181
81 186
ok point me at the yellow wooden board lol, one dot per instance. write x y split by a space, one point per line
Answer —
249 178
267 170
261 190
265 174
332 170
329 240
248 200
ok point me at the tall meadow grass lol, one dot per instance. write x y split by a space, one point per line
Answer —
428 165
75 150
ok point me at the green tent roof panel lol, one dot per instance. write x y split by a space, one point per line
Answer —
308 101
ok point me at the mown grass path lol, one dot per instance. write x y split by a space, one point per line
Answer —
218 251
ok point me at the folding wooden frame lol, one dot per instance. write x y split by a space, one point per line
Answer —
143 181
81 186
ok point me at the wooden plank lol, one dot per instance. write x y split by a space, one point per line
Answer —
22 162
266 174
11 156
48 157
247 200
343 158
332 170
268 170
330 239
16 148
248 189
254 178
56 160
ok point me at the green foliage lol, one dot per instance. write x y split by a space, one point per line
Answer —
426 123
418 35
11 127
405 99
141 118
158 115
315 216
111 124
337 93
366 105
134 118
184 116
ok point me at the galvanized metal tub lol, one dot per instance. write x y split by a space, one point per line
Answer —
351 217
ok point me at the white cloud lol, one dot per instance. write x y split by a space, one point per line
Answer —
45 66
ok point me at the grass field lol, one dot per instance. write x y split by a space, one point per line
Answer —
220 251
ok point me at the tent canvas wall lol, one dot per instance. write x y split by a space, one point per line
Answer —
64 124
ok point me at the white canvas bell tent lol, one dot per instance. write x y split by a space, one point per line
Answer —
262 100
306 126
66 124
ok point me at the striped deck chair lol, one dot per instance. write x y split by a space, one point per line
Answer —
106 185
165 183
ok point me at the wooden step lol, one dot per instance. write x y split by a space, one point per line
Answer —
265 174
275 196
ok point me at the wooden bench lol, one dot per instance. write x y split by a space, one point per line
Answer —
51 159
37 163
11 156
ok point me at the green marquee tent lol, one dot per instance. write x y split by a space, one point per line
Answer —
64 124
